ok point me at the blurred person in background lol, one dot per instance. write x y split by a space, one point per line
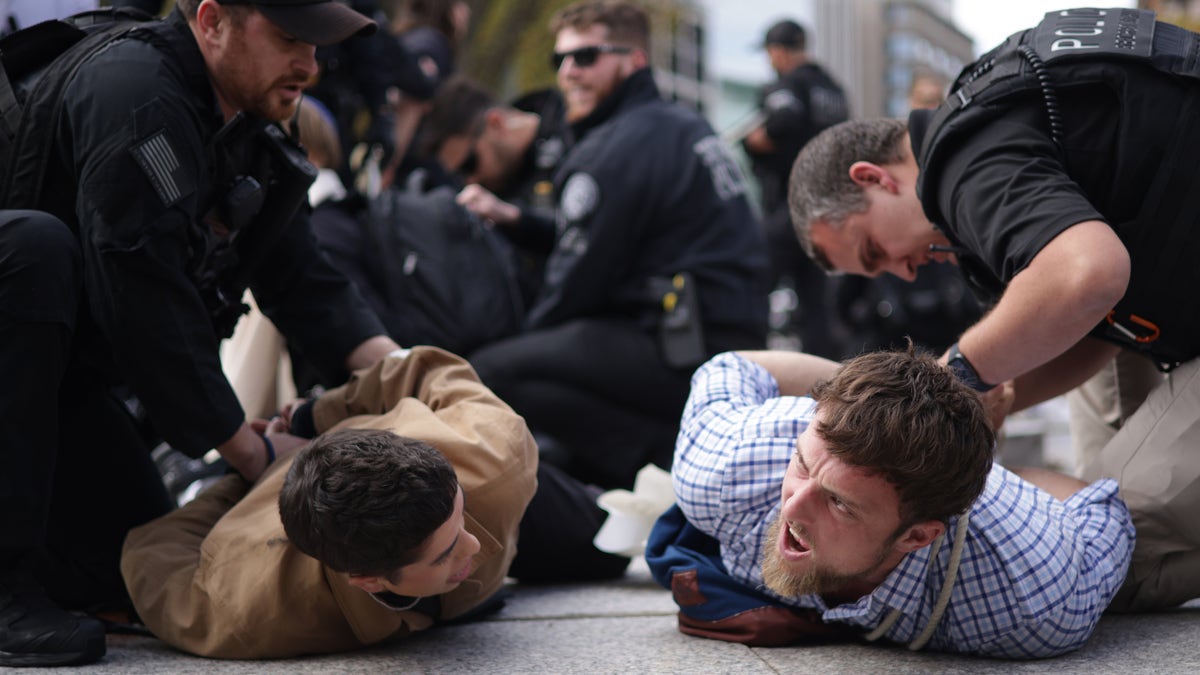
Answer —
803 100
506 157
656 264
927 90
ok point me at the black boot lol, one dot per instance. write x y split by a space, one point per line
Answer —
36 632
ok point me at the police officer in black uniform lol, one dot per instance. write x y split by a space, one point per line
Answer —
1060 175
794 108
656 263
458 285
172 189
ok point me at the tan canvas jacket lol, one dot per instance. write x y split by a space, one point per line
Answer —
219 578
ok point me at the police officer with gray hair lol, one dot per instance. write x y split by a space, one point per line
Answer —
1060 176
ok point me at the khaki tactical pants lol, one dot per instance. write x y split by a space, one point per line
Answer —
1155 456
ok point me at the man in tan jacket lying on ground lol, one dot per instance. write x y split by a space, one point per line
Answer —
403 538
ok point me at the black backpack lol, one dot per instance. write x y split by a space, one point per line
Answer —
433 273
448 280
36 63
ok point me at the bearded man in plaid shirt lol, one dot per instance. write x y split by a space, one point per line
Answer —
864 497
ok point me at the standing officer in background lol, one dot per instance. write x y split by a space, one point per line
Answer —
156 146
1060 176
803 101
656 264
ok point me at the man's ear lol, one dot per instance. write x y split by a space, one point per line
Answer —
370 584
920 535
210 20
865 174
639 58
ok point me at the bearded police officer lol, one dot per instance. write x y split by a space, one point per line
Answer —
1060 176
656 263
157 149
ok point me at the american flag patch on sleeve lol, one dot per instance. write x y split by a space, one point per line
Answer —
160 163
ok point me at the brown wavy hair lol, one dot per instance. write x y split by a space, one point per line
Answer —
628 25
907 418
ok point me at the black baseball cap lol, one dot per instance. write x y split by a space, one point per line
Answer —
786 33
317 22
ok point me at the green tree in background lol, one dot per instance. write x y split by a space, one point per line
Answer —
510 43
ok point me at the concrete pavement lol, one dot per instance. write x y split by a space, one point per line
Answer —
628 626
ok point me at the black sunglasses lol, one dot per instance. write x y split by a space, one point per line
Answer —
585 57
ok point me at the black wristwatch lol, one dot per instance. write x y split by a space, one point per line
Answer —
965 372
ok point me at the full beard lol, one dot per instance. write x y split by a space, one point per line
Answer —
815 578
274 108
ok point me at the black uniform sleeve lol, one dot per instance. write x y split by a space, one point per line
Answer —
135 143
532 231
1004 194
786 113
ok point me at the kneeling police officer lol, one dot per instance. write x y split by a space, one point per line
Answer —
1060 176
155 148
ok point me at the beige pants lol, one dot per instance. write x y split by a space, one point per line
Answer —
1155 456
1102 405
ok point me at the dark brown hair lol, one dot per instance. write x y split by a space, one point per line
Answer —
458 110
365 501
907 418
628 25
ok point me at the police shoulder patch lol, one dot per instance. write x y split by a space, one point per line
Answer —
580 196
781 99
159 160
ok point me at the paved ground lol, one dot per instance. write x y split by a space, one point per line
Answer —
628 626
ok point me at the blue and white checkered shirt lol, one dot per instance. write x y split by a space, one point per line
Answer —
1036 573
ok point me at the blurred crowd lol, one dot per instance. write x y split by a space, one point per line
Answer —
451 211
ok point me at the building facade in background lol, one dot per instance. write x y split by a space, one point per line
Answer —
677 48
873 48
881 46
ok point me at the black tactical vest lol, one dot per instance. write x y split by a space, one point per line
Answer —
1092 46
